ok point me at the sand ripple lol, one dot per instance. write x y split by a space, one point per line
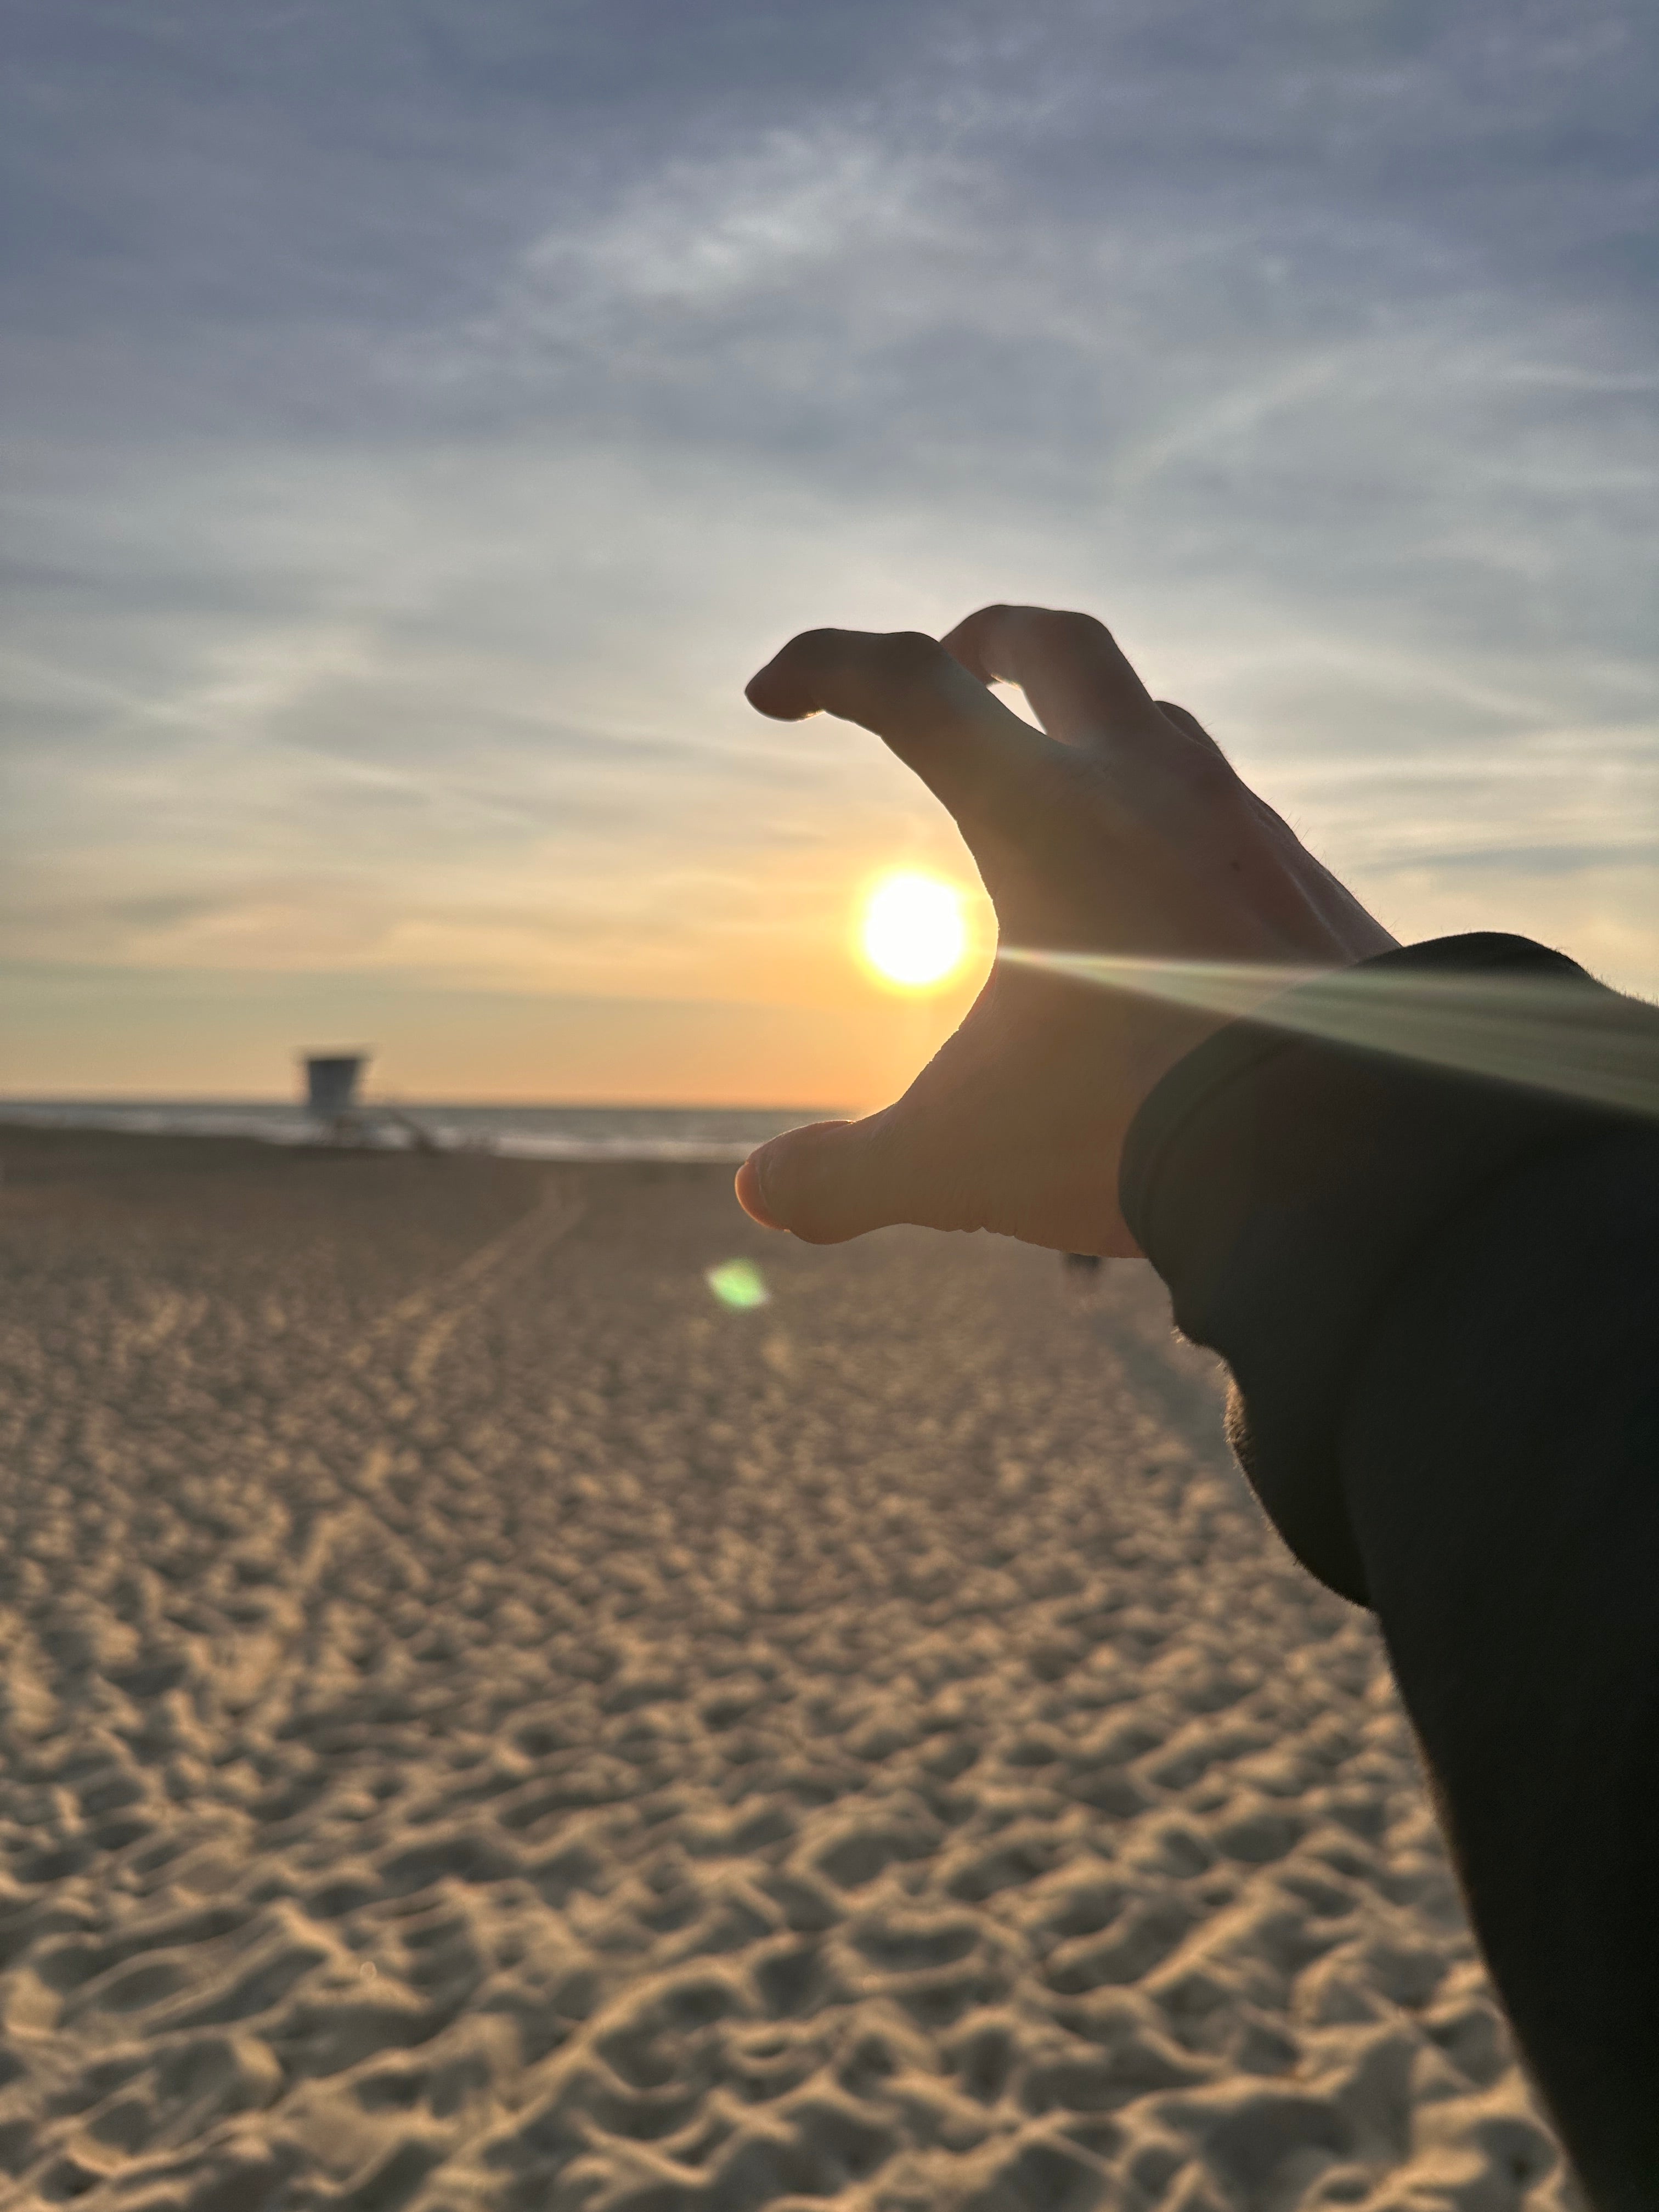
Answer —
485 1728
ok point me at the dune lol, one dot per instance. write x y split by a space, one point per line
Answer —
486 1726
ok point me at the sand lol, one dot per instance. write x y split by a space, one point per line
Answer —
487 1726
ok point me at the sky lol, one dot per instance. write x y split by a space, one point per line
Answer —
421 416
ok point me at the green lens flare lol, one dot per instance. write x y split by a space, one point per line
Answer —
738 1284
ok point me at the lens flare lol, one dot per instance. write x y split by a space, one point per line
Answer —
913 931
738 1284
1553 1033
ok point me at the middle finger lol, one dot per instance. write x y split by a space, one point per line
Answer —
1077 678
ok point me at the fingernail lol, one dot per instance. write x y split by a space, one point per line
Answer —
749 1194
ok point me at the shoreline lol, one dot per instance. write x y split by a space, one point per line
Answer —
558 1132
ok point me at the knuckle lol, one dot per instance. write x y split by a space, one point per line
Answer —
1206 775
816 645
914 648
1183 719
910 656
1066 625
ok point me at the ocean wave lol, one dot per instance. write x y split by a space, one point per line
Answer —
686 1134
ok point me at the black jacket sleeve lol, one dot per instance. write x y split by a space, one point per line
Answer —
1438 1294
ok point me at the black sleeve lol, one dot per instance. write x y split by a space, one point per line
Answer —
1438 1294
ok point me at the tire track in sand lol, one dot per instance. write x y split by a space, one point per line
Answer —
438 1308
403 1345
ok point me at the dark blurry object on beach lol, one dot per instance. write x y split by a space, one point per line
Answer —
331 1083
342 1118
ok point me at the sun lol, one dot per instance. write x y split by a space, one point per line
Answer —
912 929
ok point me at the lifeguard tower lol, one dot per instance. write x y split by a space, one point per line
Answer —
338 1114
332 1079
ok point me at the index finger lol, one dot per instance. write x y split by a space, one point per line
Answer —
971 752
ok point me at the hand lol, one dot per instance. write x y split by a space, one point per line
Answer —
1122 830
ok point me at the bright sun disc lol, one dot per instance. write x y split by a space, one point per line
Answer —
914 931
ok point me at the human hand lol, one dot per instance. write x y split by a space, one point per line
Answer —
1122 830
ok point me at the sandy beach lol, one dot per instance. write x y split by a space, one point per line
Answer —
486 1726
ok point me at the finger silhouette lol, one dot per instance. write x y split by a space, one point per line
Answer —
968 748
1074 675
830 1180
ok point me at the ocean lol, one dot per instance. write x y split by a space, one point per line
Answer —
537 1132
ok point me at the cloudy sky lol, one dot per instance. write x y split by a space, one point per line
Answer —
421 415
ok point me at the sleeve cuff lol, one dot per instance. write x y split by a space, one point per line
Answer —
1283 1174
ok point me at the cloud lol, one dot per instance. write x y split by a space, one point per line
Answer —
424 417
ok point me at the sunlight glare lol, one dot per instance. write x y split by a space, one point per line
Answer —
1555 1034
913 931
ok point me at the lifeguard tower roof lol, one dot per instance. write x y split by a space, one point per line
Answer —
331 1082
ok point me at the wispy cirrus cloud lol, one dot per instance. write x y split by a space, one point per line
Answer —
421 419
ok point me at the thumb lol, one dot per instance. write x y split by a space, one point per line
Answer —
824 1182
